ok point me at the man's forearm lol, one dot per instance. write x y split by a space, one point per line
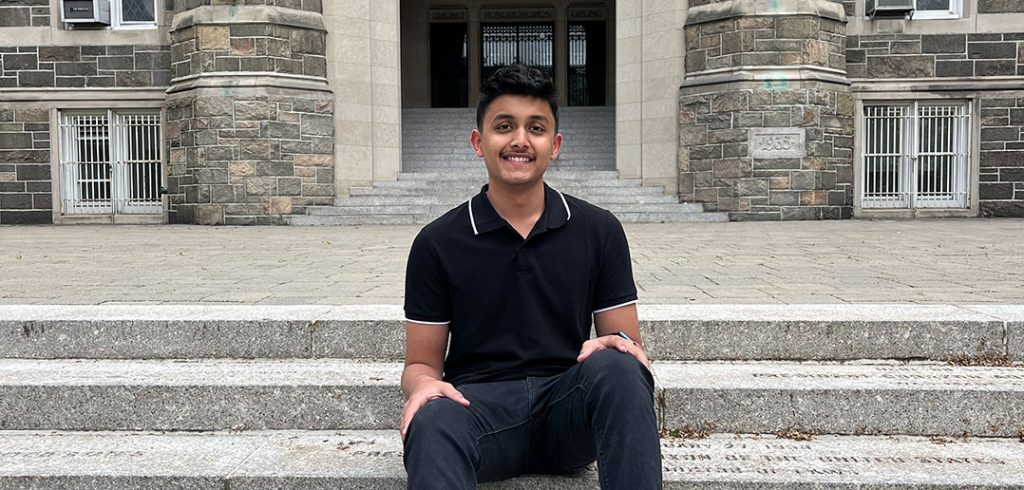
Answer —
414 374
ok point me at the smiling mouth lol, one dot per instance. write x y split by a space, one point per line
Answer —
515 158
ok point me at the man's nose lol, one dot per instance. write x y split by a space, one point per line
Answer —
520 138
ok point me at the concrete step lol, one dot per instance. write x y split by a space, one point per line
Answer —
673 217
362 220
671 332
925 399
448 202
562 185
649 210
469 156
422 219
373 460
552 175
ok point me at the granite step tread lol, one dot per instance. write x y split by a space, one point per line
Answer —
732 397
422 219
671 332
344 208
373 460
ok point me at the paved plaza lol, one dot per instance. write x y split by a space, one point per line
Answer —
950 261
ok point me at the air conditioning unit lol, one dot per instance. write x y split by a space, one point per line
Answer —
889 8
85 11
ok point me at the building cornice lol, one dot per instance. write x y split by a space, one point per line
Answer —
764 8
248 14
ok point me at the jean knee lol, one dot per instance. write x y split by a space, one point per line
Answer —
617 371
439 417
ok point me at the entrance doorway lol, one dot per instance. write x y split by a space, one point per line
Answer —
449 55
587 63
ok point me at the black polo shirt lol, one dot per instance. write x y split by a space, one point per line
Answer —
515 307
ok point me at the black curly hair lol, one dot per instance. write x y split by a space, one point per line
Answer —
517 79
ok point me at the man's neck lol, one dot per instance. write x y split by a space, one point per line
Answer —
520 206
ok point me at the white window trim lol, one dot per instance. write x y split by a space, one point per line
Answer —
955 12
117 23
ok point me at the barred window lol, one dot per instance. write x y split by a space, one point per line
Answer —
915 155
111 162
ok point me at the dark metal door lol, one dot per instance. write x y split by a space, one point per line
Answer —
531 44
587 63
449 66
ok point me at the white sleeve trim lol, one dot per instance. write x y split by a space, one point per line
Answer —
428 323
602 310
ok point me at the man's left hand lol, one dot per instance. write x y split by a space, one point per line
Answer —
613 342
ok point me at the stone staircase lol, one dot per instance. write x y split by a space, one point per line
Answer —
441 171
307 397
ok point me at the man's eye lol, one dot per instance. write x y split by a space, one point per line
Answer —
503 127
537 129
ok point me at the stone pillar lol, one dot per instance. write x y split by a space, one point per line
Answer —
250 113
766 113
649 69
364 71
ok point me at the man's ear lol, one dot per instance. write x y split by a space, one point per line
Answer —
476 139
556 148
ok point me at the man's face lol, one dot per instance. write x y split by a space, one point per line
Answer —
517 139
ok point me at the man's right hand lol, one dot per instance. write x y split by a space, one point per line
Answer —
426 390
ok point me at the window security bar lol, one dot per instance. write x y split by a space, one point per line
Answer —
111 163
916 156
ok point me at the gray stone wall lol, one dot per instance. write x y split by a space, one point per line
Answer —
1001 171
1000 6
307 5
249 47
85 66
935 55
249 159
25 181
785 40
22 13
717 169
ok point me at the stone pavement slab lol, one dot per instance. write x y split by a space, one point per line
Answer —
684 332
951 261
371 460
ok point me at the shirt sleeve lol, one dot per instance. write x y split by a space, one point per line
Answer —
427 295
615 285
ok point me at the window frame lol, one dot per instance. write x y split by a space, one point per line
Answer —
117 21
955 11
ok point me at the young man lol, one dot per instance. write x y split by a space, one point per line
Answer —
514 277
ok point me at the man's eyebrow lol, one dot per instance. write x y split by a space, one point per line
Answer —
535 117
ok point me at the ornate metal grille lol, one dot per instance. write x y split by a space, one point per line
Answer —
916 156
578 90
111 163
529 44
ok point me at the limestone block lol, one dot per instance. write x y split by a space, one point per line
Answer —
213 37
260 186
277 206
214 106
210 215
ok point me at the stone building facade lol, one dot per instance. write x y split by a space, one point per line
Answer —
249 112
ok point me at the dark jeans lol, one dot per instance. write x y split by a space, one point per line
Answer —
600 409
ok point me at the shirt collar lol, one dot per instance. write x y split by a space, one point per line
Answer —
483 218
